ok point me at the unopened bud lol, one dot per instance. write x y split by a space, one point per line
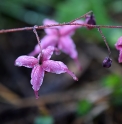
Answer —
107 62
90 19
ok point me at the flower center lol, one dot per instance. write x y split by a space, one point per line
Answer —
40 59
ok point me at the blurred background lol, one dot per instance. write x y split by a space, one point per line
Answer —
95 99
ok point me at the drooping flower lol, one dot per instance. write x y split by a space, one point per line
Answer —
59 37
40 65
118 46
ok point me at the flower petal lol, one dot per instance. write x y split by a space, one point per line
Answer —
118 45
54 66
70 29
120 56
57 67
27 61
47 53
67 45
72 74
37 76
50 30
49 22
49 40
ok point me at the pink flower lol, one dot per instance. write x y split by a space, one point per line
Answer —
59 37
118 46
40 65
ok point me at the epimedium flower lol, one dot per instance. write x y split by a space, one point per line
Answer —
40 65
60 38
118 46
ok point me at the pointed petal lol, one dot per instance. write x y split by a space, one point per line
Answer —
50 30
49 40
47 53
27 61
37 76
67 45
72 74
70 29
120 56
54 66
36 94
118 45
57 67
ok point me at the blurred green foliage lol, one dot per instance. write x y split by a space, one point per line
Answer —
112 81
28 11
72 9
115 83
83 107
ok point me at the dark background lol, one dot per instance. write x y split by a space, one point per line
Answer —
95 99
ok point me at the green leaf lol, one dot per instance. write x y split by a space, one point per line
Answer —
111 81
71 9
116 6
83 107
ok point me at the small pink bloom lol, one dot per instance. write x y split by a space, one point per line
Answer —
40 65
59 37
118 45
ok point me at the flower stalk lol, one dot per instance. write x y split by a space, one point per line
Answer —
54 25
104 39
34 30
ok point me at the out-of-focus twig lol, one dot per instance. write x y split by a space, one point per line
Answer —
92 95
8 95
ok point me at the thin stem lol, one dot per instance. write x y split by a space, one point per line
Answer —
83 16
34 30
104 39
53 25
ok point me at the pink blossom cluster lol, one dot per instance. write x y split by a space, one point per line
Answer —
42 64
56 39
60 38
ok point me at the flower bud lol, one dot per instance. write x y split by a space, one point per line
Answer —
90 19
107 62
